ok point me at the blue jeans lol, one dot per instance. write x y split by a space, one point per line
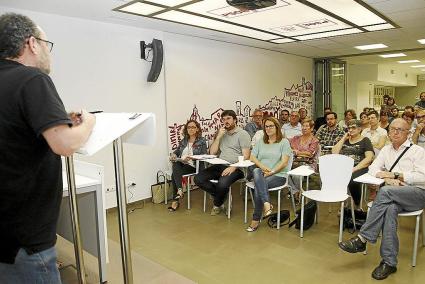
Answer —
37 268
261 191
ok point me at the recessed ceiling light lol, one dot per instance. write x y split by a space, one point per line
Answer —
371 46
328 34
141 8
418 66
408 61
379 27
422 41
282 40
392 55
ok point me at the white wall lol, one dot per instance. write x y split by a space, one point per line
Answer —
394 77
359 78
97 66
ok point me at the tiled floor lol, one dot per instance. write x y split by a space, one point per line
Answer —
209 249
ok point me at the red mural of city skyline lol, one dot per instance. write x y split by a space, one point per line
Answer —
293 98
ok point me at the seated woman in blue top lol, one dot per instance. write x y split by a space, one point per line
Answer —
270 155
192 144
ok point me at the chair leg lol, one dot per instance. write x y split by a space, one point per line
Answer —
352 213
165 191
294 208
415 242
341 219
205 201
278 209
423 229
316 216
188 193
367 213
362 195
252 198
230 202
302 217
246 204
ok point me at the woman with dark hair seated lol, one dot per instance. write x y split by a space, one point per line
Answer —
271 156
359 148
384 120
349 114
192 144
305 146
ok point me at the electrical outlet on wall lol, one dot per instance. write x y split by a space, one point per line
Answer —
110 188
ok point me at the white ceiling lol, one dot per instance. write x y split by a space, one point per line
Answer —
408 14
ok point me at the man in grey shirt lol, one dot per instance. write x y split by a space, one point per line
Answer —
255 125
231 141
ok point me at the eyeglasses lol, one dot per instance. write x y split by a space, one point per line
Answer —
48 43
269 126
397 130
352 127
192 127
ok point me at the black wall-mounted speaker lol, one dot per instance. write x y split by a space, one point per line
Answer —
157 58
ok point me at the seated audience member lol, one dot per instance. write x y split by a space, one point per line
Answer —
393 113
384 120
349 114
329 134
385 103
321 120
366 110
361 150
270 155
391 102
375 133
284 117
305 146
421 102
192 144
409 117
409 109
401 193
231 141
364 119
255 125
303 113
418 136
293 128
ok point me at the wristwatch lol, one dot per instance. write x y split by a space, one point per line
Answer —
396 175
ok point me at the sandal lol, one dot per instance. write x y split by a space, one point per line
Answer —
177 205
252 229
268 212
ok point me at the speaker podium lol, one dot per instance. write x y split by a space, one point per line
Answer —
116 128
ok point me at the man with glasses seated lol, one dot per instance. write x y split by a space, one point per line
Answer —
330 133
231 142
418 136
293 128
404 191
255 125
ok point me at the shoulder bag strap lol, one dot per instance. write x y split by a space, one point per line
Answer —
399 157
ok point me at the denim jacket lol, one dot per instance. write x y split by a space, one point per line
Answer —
199 146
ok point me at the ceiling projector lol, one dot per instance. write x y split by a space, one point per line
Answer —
251 4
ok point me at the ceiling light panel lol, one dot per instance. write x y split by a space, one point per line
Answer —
169 2
392 55
329 34
421 41
379 27
417 66
408 61
288 18
141 9
282 40
350 10
371 46
212 24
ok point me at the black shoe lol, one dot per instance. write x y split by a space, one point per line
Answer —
353 245
383 271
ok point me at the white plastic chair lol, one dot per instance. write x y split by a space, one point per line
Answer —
418 215
250 185
335 174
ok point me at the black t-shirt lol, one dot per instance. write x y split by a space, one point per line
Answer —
30 173
357 150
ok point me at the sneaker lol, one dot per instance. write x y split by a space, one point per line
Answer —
353 245
217 210
383 271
